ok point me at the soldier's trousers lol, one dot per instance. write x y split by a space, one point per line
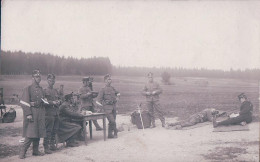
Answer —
237 120
186 123
154 107
111 117
27 143
52 126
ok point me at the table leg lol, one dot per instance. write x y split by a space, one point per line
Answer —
90 128
104 127
84 131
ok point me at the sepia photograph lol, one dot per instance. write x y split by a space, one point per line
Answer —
129 80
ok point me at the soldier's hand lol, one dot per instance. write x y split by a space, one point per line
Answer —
89 93
153 93
29 118
148 93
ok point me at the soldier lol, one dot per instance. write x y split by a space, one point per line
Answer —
107 98
203 116
34 116
86 96
68 130
243 117
152 90
51 115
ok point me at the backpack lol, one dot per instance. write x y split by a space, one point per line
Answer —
9 116
136 120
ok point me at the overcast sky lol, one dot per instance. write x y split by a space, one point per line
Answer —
189 34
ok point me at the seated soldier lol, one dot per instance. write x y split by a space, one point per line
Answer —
203 116
68 130
243 117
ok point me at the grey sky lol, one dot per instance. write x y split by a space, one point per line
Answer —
214 35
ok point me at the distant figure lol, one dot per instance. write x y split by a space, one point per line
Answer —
51 115
68 130
243 117
34 115
86 98
152 90
107 98
203 116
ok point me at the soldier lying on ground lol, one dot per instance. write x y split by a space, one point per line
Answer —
68 130
243 117
203 116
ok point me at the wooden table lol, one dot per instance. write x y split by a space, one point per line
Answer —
94 116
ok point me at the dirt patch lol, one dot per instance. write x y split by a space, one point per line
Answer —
224 153
10 131
7 150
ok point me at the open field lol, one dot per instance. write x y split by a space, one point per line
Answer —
184 97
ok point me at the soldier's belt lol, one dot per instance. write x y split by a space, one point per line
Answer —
36 104
109 102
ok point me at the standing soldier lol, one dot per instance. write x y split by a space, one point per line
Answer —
51 115
86 98
152 90
107 98
34 116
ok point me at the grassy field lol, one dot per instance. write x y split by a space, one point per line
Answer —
185 95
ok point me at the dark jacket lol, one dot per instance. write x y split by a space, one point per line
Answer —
52 95
246 108
32 95
152 87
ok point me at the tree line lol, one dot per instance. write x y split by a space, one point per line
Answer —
19 63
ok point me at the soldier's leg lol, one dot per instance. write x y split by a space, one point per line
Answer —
235 120
189 122
151 112
24 147
157 108
54 133
36 151
115 128
98 128
49 123
111 124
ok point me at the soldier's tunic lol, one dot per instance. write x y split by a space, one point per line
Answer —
86 101
245 115
33 130
107 97
51 114
153 103
67 127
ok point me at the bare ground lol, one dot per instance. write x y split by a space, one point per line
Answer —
134 145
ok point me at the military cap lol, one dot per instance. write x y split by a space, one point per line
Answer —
150 74
36 73
107 76
242 95
50 76
68 96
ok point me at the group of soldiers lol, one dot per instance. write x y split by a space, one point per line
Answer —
48 113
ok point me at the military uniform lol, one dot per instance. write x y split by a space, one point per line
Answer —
68 129
245 115
33 129
152 101
203 116
107 97
51 117
86 100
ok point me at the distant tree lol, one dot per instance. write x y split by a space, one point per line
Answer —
166 77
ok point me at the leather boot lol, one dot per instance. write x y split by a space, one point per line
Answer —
22 153
36 151
115 131
53 143
24 148
110 135
46 142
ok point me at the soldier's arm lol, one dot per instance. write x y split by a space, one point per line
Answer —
100 96
65 109
83 94
25 98
158 89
